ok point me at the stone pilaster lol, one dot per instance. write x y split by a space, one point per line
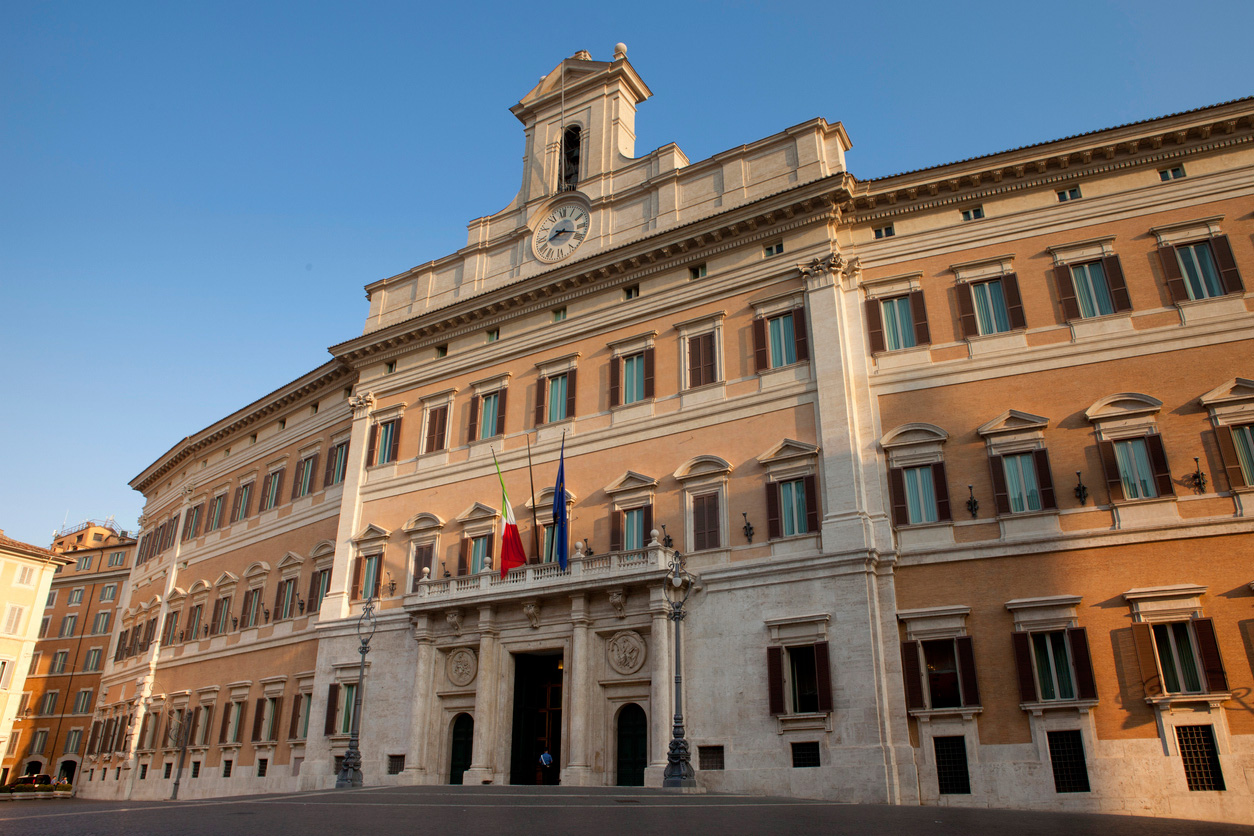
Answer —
482 769
660 688
335 602
422 701
578 771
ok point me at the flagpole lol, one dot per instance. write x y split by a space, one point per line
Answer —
535 526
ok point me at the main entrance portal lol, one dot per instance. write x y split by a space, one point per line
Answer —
537 718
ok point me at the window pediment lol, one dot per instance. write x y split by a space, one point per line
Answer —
423 522
1165 603
477 513
908 434
545 499
1123 405
631 481
985 268
1231 403
1013 421
371 535
290 559
935 622
787 452
1054 612
226 579
256 569
702 466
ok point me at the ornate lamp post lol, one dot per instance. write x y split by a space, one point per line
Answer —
678 771
350 768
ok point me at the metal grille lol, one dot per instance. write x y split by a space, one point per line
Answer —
143 771
396 764
952 777
1201 758
710 757
1066 755
195 769
168 767
805 754
263 764
226 768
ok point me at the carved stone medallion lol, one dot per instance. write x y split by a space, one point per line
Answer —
626 652
462 667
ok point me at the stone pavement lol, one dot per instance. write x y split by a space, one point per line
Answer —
554 811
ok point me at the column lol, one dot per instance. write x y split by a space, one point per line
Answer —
578 771
422 701
660 688
335 603
481 765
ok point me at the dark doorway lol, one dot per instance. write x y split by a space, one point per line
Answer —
537 719
67 771
34 768
462 748
633 743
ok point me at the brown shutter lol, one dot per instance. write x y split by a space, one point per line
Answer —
773 528
761 359
1001 494
226 724
1023 666
875 326
775 679
1228 453
248 500
393 450
542 391
694 362
94 736
708 374
1208 649
967 322
313 590
646 522
463 559
824 670
1158 462
799 334
1085 683
698 523
278 600
208 721
235 515
195 724
812 504
333 699
897 496
648 372
714 537
1110 466
1044 480
277 477
1143 637
918 310
473 429
500 409
1229 278
330 474
1171 271
299 476
441 437
942 492
616 373
213 622
912 675
265 493
571 381
616 530
354 592
372 445
966 671
1014 302
433 427
1115 282
274 722
293 726
1066 292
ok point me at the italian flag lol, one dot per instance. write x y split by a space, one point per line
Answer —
511 544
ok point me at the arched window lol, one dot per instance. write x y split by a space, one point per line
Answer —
570 157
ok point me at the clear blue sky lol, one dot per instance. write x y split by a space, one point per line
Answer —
193 195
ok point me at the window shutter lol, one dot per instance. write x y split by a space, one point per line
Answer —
355 591
875 325
392 452
1085 683
217 614
330 472
500 408
714 538
208 721
918 310
812 503
293 726
372 444
299 476
278 600
195 724
616 530
773 528
1066 292
1014 302
433 428
277 477
616 373
966 671
966 311
824 671
487 551
1143 638
274 719
473 429
775 679
571 379
1001 495
226 724
542 391
912 676
1115 282
264 499
1171 272
93 737
897 496
646 522
441 437
708 374
463 559
1227 264
1158 462
313 590
1110 466
801 339
761 359
1228 453
1023 666
1208 649
333 700
694 362
235 515
648 372
1044 480
942 492
701 518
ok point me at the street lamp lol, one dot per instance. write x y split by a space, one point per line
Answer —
678 771
350 768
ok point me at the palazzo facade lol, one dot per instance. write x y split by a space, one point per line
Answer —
786 374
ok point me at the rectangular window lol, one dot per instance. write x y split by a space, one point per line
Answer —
92 660
1168 174
52 599
1023 491
884 232
1066 756
1243 442
226 768
25 576
109 592
319 584
263 764
389 367
68 624
170 633
792 507
633 529
492 335
33 670
348 707
991 313
100 625
251 613
1201 275
305 470
58 661
804 679
191 522
437 429
84 563
387 441
952 777
38 742
941 660
396 764
805 755
117 559
559 315
702 368
488 414
705 522
13 620
82 701
193 623
1202 770
217 507
697 272
1092 290
920 495
1053 665
48 703
76 597
973 214
776 248
371 576
195 769
424 558
1072 193
441 351
74 739
1177 658
633 378
783 341
14 617
337 464
710 758
285 600
557 399
305 702
478 553
243 497
631 292
898 323
548 544
1135 472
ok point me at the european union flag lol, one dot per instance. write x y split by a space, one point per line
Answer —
560 521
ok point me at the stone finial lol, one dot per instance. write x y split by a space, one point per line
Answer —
426 573
620 51
653 542
579 548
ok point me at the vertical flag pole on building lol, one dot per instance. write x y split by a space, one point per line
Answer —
535 525
511 544
560 522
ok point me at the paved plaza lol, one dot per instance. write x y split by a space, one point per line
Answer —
555 811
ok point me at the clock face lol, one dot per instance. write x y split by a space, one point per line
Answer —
560 232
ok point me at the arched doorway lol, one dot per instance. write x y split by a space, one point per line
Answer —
34 768
462 747
633 752
67 770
